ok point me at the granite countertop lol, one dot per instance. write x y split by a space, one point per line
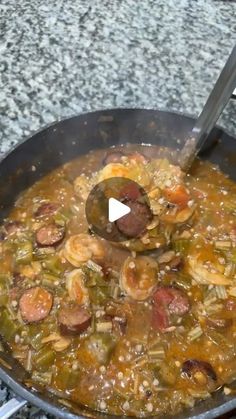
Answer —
60 58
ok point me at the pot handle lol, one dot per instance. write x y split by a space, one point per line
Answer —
12 406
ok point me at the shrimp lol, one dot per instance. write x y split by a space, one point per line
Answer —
82 247
205 271
113 170
132 170
76 287
178 217
139 277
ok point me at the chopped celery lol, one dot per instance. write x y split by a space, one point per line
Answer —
59 220
53 265
233 256
43 378
181 246
3 299
101 282
114 290
104 326
43 252
98 286
4 283
8 327
94 278
49 280
183 281
44 359
91 282
24 252
36 335
67 378
98 295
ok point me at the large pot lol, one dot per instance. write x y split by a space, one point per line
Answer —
65 140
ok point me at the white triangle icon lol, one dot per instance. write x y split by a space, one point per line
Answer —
116 210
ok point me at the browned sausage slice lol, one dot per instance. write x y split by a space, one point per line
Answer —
35 304
50 235
131 191
135 223
192 367
73 319
168 300
48 208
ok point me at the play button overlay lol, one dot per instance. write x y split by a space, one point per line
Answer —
117 209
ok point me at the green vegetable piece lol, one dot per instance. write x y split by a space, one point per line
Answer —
49 280
98 295
43 378
24 252
53 265
233 256
41 253
183 281
44 359
181 246
8 327
101 346
68 378
5 280
36 334
98 286
3 300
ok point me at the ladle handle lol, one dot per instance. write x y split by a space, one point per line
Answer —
214 106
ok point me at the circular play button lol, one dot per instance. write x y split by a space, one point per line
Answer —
117 209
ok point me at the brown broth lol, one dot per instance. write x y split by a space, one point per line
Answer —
137 370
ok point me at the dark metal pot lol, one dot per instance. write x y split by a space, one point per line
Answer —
65 140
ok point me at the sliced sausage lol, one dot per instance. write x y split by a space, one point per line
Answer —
50 235
160 318
131 191
134 224
113 157
35 304
197 370
166 301
13 227
73 319
46 209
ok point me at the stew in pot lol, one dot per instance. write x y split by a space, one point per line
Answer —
142 327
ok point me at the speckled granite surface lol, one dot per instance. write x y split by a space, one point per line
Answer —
59 58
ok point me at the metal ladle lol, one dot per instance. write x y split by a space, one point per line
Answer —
211 112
